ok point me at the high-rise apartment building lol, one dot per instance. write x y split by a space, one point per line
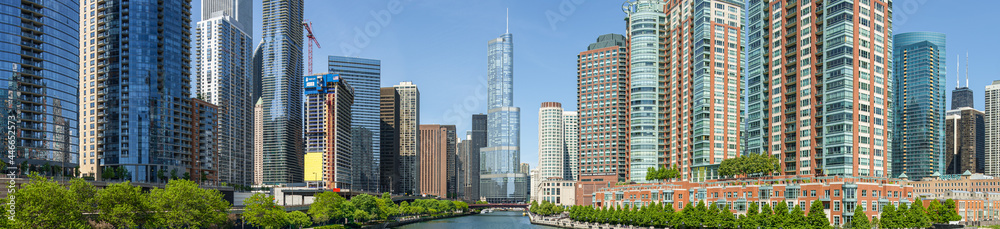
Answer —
281 80
223 67
685 85
603 106
500 180
965 145
477 141
258 142
409 138
820 86
919 91
365 77
993 128
43 66
389 166
363 176
137 108
462 169
557 142
437 148
328 101
205 145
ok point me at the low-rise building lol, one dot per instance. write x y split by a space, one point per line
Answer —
840 195
972 206
938 184
558 192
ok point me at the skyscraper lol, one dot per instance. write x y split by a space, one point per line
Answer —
557 142
477 141
389 176
603 105
137 107
223 64
205 145
281 76
993 128
365 76
500 180
43 66
328 127
258 142
685 101
965 146
962 97
363 176
820 86
437 148
462 169
409 137
918 130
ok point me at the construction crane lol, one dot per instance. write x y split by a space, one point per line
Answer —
312 39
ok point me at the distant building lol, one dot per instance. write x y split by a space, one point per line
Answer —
204 167
937 184
965 145
603 155
462 168
281 80
972 206
258 142
557 142
437 148
962 97
558 192
409 138
477 140
365 76
525 168
500 180
919 104
389 166
363 166
328 101
993 128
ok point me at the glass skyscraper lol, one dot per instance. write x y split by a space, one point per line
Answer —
365 76
647 17
281 75
136 89
223 64
39 78
919 126
500 180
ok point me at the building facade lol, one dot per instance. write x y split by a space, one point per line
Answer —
409 138
500 180
965 145
557 142
820 86
437 148
477 141
258 142
603 106
223 65
365 75
240 11
205 158
363 168
137 91
389 140
281 76
937 184
918 128
993 128
645 49
962 97
840 195
42 74
328 102
558 192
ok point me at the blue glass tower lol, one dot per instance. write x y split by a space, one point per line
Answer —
500 181
39 75
919 130
281 80
366 77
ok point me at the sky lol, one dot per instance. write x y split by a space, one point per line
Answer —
440 45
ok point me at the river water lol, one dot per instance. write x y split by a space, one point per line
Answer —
493 220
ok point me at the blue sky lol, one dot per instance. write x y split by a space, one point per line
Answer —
440 45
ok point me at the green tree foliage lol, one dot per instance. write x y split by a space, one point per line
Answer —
917 215
727 219
181 204
951 211
934 212
327 206
796 218
890 219
123 205
261 211
780 215
86 194
860 220
751 219
817 217
876 223
43 203
366 203
298 219
546 208
754 164
662 173
766 216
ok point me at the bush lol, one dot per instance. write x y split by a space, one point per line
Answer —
335 226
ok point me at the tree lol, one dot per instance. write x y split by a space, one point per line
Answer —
123 205
326 207
950 210
889 217
182 204
727 219
860 220
766 216
751 220
360 215
367 203
85 194
43 203
261 211
917 215
780 214
817 217
876 224
298 219
935 212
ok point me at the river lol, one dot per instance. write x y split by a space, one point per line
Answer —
493 220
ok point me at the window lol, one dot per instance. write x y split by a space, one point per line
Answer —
836 205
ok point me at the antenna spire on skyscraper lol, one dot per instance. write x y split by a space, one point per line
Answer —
508 21
966 69
958 71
